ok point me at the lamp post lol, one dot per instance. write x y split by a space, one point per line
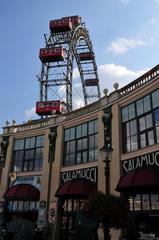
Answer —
106 153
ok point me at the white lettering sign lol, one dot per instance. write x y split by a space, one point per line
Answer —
151 159
87 173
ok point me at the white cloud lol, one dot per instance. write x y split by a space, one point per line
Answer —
30 113
125 1
122 45
112 73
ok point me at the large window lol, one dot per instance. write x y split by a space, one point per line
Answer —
144 202
80 144
22 206
28 154
140 123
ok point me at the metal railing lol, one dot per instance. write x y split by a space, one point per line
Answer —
147 77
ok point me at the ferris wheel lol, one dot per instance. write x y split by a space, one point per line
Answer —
67 43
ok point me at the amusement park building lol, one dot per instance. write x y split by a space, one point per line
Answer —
56 162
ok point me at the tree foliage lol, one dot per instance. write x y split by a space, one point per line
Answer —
110 210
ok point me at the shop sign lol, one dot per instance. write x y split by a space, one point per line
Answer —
52 212
86 173
32 180
146 160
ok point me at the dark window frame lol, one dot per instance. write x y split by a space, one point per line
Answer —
28 164
80 155
150 132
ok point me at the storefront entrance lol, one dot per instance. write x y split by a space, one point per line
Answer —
141 187
147 225
72 196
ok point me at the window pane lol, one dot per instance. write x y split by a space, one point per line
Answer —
84 130
91 129
155 99
32 205
72 133
157 134
17 161
30 143
150 138
66 160
84 144
66 138
20 206
134 145
128 144
147 106
145 202
137 202
9 205
18 166
131 111
26 206
79 156
124 114
72 159
142 124
143 140
79 145
91 141
91 156
156 113
19 144
148 121
31 166
131 203
154 201
72 146
127 129
140 107
15 206
40 141
133 128
84 160
29 154
78 131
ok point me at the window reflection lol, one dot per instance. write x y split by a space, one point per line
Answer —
140 122
154 201
82 148
145 202
28 154
137 202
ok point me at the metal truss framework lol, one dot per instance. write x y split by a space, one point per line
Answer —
54 75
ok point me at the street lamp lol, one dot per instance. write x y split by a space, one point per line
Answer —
106 153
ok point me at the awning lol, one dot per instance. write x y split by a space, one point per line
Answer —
141 179
22 192
76 189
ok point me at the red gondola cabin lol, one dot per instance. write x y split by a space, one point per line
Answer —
91 82
53 54
61 25
50 107
86 56
75 20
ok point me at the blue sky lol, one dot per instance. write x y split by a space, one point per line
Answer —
124 34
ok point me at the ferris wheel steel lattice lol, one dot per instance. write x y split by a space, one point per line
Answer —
67 41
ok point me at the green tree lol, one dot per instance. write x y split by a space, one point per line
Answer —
110 211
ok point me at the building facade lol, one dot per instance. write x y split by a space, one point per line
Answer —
50 166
